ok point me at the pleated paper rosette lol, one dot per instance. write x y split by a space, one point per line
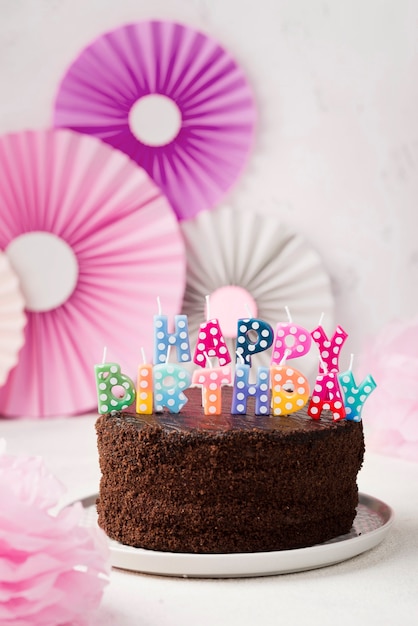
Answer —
12 317
212 112
94 243
254 265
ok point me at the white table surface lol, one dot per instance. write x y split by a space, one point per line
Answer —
377 587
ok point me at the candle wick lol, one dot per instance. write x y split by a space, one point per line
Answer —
104 354
321 319
207 298
144 359
289 317
350 367
159 305
239 355
286 354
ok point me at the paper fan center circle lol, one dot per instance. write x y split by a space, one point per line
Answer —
230 303
47 268
155 120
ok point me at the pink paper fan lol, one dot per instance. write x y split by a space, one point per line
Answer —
12 318
128 250
199 164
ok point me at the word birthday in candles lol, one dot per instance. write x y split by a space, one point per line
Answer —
280 389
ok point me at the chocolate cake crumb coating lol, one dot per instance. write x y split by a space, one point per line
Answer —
191 483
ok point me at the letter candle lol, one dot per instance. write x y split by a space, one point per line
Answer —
290 388
163 339
355 396
144 387
115 391
211 379
327 395
246 348
242 389
210 342
170 380
329 349
291 339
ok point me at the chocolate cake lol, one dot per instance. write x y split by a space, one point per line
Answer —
231 483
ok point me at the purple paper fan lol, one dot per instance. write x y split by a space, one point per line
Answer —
217 114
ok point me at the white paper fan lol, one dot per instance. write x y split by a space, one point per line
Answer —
273 265
112 219
12 318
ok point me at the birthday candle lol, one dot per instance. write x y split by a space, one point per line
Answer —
355 396
327 395
290 390
170 394
144 388
115 391
212 380
163 339
292 338
211 343
246 348
243 389
329 349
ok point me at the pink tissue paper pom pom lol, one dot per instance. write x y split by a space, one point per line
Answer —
390 415
52 570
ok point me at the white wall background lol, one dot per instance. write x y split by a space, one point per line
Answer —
336 83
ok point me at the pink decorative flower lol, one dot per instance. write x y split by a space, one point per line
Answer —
390 415
52 570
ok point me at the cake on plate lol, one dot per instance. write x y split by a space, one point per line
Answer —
188 482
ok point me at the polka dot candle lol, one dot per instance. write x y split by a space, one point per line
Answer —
246 347
163 340
145 390
291 339
355 397
211 380
279 389
115 391
327 395
290 390
243 389
170 380
211 343
329 349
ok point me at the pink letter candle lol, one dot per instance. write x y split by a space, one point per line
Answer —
243 389
163 339
246 348
329 349
290 390
170 380
290 338
211 380
211 343
115 391
355 397
327 395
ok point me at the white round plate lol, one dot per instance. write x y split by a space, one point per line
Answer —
372 523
